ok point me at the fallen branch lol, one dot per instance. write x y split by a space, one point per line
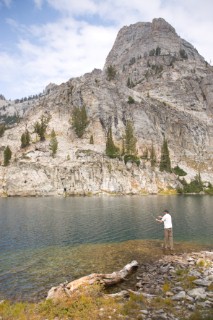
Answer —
65 290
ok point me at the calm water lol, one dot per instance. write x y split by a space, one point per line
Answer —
44 241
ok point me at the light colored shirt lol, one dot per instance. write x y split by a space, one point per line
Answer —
167 220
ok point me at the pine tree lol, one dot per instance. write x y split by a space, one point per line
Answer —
40 128
53 143
91 141
158 51
79 120
165 163
25 139
111 150
2 129
153 157
130 140
111 73
7 155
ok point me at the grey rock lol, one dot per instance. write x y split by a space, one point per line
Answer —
197 293
194 273
144 312
159 311
191 307
189 298
205 304
202 282
179 296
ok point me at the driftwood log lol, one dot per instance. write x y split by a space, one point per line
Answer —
65 290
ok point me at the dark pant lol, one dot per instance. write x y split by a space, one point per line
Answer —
168 239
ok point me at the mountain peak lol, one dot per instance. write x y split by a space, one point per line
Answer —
142 38
162 25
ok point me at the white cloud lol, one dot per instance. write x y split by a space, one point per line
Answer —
73 7
38 3
58 51
7 3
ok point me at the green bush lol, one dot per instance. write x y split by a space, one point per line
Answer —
111 73
130 83
165 163
53 143
195 186
183 54
40 128
112 150
25 139
179 172
152 52
7 156
209 189
2 129
79 120
130 139
130 100
132 158
91 140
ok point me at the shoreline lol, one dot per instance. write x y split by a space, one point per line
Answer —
173 287
104 258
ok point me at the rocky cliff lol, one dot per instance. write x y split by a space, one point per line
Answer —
171 90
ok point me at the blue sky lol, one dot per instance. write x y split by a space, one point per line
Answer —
43 41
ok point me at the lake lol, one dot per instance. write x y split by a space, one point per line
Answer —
45 241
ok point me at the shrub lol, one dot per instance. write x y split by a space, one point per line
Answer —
131 100
209 189
25 139
130 140
2 129
111 150
179 172
132 61
132 158
130 83
152 52
91 140
111 73
158 51
40 128
195 186
153 157
79 120
53 143
165 164
7 156
183 54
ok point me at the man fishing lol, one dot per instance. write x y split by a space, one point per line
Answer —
168 234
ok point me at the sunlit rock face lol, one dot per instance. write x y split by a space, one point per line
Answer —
171 90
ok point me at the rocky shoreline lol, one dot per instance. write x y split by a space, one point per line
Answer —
172 287
175 287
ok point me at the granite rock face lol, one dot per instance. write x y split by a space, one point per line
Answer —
171 87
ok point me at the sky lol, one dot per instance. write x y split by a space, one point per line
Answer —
51 41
